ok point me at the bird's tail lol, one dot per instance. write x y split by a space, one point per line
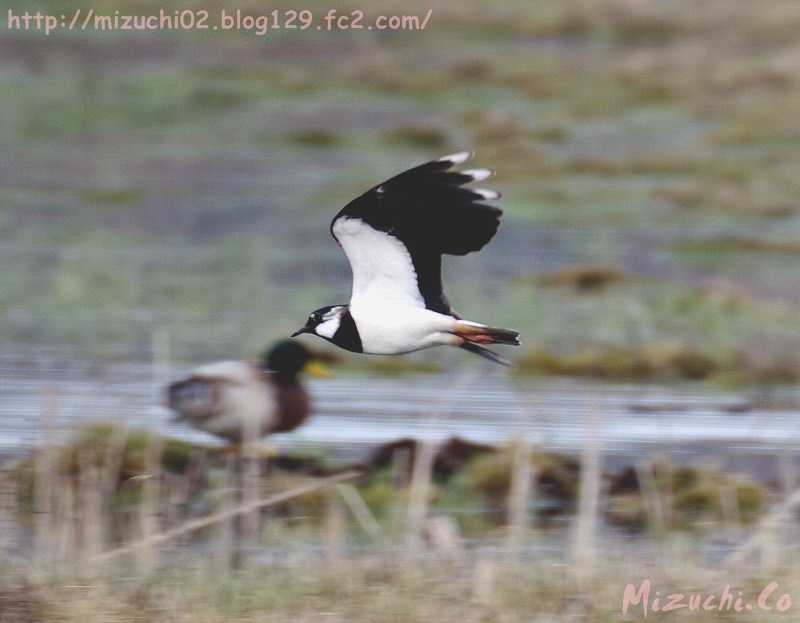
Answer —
485 353
189 398
475 333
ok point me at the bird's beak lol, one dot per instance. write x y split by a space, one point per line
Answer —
317 369
300 332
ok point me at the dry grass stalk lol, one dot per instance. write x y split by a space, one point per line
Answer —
180 489
147 557
335 529
8 502
583 546
419 493
787 469
401 458
246 526
112 460
197 524
484 581
518 500
223 492
729 506
358 507
446 538
422 473
64 529
44 477
90 505
651 497
768 525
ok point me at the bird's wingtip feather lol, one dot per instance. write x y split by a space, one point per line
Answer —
457 158
478 175
489 195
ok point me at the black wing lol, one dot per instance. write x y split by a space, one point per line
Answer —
428 209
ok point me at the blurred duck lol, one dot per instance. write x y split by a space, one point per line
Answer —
239 400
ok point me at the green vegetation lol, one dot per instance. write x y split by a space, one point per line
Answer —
451 569
646 143
682 498
470 482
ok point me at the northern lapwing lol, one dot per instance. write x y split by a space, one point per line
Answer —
243 401
394 236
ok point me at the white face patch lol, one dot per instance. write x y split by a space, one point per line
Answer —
329 327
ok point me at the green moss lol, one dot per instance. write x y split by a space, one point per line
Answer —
736 244
95 441
380 494
696 496
556 481
393 366
657 360
95 444
417 136
114 196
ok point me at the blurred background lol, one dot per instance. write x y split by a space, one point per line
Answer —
166 199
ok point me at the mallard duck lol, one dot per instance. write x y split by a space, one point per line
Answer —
244 401
394 236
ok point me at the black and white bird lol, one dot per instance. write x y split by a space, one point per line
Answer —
242 400
394 236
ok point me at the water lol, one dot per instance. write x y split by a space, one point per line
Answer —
355 412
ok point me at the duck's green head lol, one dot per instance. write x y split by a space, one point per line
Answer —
288 358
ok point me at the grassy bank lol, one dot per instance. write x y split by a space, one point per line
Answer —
132 527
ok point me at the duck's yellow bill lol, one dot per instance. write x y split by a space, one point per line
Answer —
317 369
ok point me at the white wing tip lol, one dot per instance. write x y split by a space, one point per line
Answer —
478 175
487 194
458 157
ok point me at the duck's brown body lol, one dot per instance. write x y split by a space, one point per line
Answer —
294 407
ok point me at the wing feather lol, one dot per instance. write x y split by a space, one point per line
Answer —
395 233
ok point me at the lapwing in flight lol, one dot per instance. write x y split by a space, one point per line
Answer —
394 236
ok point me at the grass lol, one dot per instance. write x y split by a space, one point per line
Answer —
215 167
465 477
419 137
368 590
737 244
693 497
318 138
363 590
659 360
322 568
641 329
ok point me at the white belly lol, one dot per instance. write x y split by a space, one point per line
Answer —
392 330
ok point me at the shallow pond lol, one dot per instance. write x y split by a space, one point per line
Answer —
356 411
